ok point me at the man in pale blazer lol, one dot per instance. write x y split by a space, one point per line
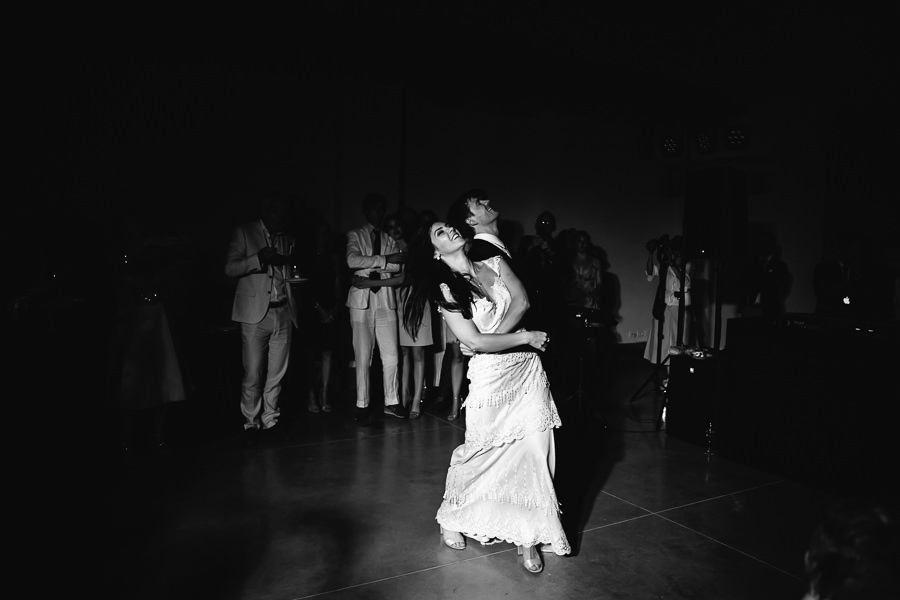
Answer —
259 255
373 308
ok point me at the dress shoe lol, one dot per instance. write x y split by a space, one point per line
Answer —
396 410
361 414
531 559
453 539
326 403
454 414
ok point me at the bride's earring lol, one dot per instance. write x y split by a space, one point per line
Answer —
437 256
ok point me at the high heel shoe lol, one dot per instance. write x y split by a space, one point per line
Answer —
326 404
459 544
415 413
531 559
454 412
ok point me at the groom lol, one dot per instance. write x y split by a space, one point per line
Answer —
476 220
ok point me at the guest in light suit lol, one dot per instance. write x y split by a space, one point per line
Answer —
374 255
259 255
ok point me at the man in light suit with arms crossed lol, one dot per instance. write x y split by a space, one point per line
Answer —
374 255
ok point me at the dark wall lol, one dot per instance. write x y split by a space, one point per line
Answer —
546 108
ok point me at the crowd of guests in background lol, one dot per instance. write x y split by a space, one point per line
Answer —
348 295
158 272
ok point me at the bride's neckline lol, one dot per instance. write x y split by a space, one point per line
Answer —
474 276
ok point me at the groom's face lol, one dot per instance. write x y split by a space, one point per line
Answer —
481 212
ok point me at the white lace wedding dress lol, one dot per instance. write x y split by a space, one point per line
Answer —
500 481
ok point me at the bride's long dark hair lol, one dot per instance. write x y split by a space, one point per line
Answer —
422 285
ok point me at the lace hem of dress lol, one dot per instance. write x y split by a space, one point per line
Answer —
490 531
548 419
561 542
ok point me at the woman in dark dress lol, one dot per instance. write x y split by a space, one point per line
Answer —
318 312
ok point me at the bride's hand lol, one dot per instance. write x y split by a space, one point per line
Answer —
539 340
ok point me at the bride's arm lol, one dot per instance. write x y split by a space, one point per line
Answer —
519 303
468 334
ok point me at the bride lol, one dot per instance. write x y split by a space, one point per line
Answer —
500 482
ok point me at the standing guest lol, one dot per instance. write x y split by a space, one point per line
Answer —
586 274
766 279
412 343
372 254
539 263
148 366
320 307
583 297
542 246
259 256
500 481
447 348
668 269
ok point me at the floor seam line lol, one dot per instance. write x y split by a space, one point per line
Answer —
660 515
401 575
720 496
729 546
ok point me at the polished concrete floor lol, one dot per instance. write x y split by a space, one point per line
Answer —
343 510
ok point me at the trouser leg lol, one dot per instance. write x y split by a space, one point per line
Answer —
254 339
389 349
278 359
362 323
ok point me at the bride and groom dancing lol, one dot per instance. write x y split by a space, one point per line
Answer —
499 485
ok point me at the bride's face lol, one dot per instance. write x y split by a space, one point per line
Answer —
446 239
